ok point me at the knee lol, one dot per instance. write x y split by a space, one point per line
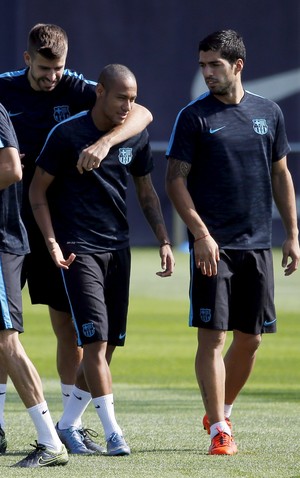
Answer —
249 343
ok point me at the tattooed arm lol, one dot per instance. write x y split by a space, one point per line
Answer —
205 248
151 208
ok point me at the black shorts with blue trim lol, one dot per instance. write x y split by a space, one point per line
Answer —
97 285
241 295
10 292
44 278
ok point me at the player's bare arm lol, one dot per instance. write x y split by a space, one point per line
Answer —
151 208
40 208
284 197
137 120
10 167
206 250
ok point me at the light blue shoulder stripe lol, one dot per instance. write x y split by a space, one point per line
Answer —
67 72
171 140
254 94
3 301
78 115
74 74
13 74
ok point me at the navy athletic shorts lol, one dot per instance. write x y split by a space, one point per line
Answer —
44 279
97 285
241 295
10 292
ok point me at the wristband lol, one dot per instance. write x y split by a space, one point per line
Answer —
201 237
165 244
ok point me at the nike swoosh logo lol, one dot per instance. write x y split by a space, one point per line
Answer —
97 406
66 394
15 114
78 398
212 131
47 462
2 393
44 411
267 323
122 336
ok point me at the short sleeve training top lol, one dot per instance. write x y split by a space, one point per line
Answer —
89 210
231 149
13 237
34 113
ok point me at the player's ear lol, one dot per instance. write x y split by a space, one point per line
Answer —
239 65
27 58
99 89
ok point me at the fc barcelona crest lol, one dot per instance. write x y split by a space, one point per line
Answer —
125 155
260 126
61 113
88 329
205 315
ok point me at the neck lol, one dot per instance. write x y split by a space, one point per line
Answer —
233 97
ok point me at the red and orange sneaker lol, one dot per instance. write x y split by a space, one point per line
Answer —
222 444
206 424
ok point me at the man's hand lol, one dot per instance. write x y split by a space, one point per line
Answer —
58 258
207 255
167 261
90 158
290 248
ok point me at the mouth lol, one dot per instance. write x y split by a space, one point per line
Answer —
48 84
210 82
123 116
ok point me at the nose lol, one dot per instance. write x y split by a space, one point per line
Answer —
51 75
127 105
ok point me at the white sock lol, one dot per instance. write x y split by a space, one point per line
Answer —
43 423
219 426
105 408
3 387
74 409
227 410
66 391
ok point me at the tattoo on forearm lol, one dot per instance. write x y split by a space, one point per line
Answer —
150 204
177 169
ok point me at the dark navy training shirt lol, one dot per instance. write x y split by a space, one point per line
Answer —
231 149
13 237
89 210
35 113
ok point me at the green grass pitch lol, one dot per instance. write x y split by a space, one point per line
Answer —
157 400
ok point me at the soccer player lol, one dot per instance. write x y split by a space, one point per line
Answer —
83 221
226 156
37 98
49 451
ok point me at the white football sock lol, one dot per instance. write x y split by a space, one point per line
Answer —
74 409
43 423
105 408
227 410
219 426
66 391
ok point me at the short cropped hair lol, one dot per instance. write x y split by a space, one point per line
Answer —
228 42
48 40
113 72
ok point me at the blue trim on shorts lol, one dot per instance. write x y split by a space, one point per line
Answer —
3 300
79 343
192 263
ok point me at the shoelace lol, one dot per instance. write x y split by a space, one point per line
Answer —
37 446
222 439
89 431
